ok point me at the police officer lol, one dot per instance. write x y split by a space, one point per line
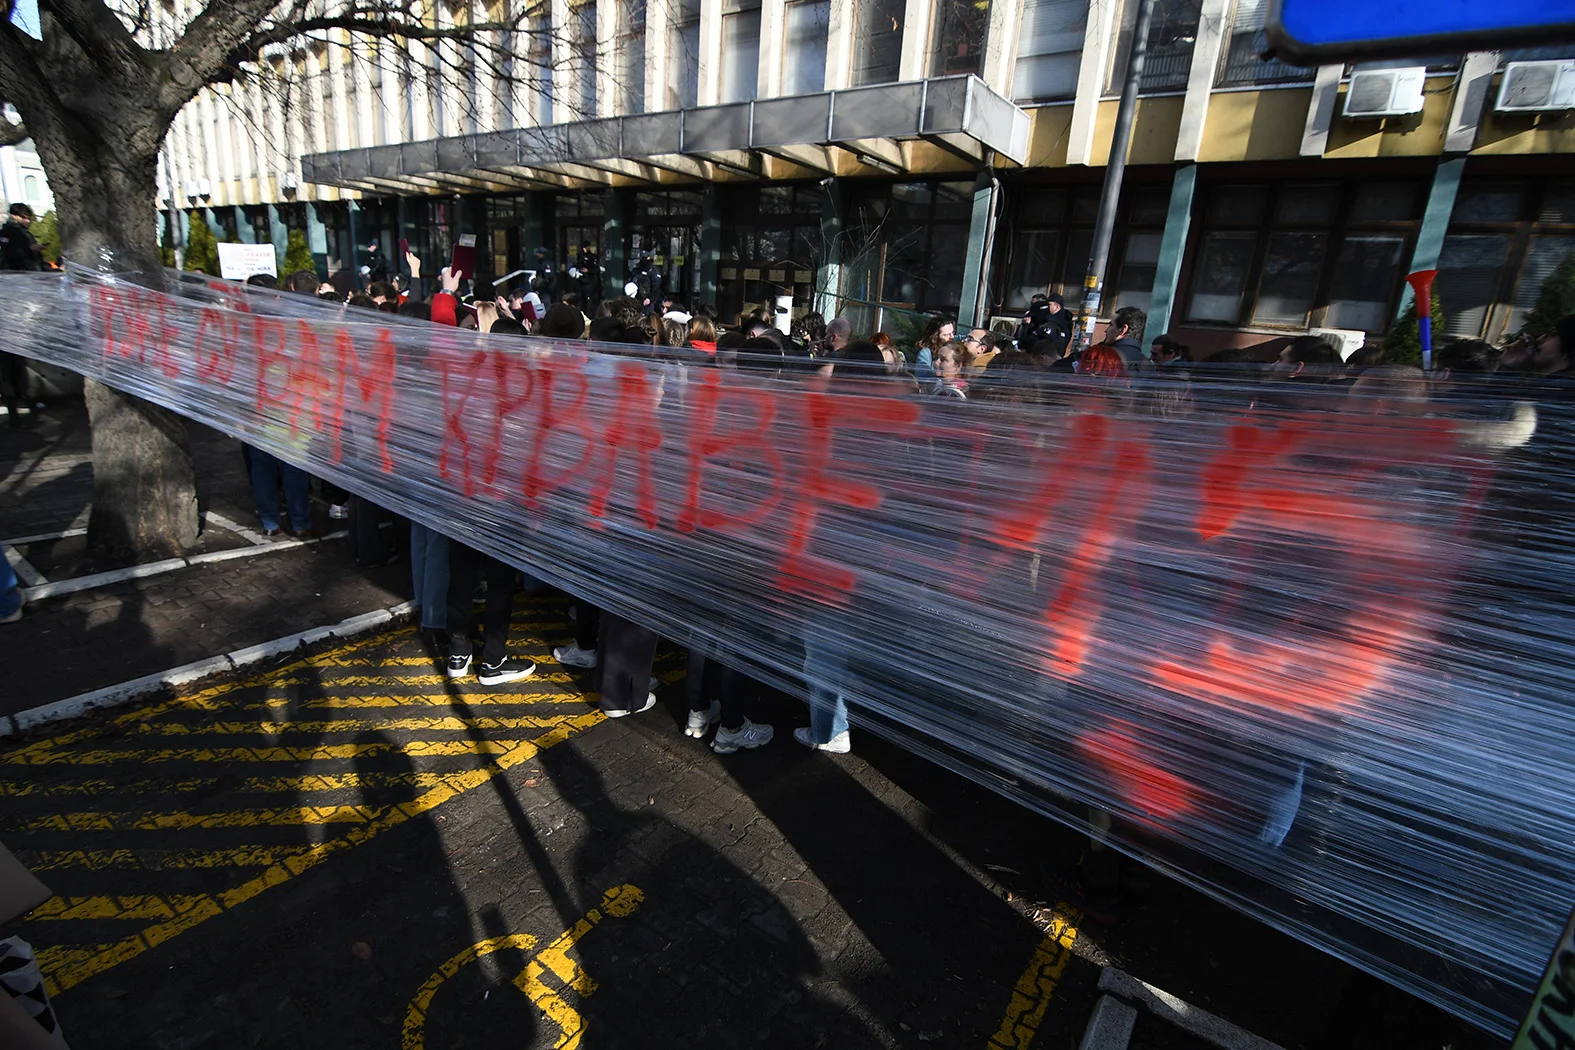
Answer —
545 274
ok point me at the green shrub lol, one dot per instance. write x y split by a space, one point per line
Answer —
202 248
297 255
47 231
1556 300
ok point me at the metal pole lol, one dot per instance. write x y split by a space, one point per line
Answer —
1110 196
981 309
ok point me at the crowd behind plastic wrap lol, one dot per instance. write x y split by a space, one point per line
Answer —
1307 645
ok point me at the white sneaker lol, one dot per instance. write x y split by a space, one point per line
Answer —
700 721
572 655
338 511
21 600
505 670
650 702
748 735
840 744
458 666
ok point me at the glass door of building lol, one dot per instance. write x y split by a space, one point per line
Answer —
663 261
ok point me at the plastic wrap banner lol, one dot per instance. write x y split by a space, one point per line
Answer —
1307 645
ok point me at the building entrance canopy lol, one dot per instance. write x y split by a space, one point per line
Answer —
832 132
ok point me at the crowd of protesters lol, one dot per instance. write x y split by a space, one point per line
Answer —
1033 363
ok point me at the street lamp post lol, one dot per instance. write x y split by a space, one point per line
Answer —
1115 168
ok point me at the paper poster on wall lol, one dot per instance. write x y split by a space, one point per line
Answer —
240 261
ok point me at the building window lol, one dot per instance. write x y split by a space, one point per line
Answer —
1243 61
663 244
1140 229
804 68
580 219
631 57
771 245
30 187
683 56
1173 30
961 27
904 248
1055 236
1050 49
877 32
740 53
1291 255
538 60
584 60
1504 239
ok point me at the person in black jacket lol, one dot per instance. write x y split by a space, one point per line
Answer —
18 251
18 248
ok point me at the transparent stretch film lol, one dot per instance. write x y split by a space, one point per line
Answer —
1307 645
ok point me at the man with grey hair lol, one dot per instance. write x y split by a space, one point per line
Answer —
839 331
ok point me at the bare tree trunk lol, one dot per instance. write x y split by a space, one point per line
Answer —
144 486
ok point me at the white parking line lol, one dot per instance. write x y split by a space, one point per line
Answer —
1110 1027
1196 1020
43 537
251 536
24 568
157 568
125 692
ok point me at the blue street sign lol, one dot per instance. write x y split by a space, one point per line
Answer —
1317 31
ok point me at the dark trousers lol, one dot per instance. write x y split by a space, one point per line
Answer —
625 654
13 382
710 681
465 565
587 625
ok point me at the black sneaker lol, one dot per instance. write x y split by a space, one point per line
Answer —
459 666
505 670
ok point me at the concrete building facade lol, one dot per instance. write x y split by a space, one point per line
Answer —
888 158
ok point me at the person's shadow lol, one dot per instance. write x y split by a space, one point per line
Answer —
710 957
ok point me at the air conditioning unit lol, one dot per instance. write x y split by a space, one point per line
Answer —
1385 92
1537 86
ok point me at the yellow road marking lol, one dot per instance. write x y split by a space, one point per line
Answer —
140 907
158 860
203 699
619 902
349 725
252 785
444 700
234 818
1037 985
416 1013
66 967
331 682
314 753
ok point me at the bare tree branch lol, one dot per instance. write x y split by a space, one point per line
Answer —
102 37
212 43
